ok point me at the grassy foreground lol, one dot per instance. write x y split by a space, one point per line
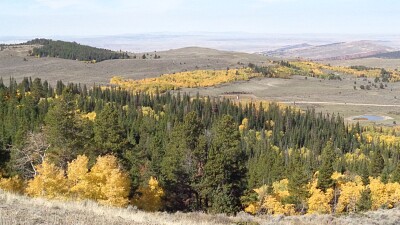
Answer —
15 209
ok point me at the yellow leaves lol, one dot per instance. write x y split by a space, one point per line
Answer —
252 208
150 196
197 78
77 178
318 203
91 116
116 189
12 184
244 126
49 182
273 206
350 193
272 203
105 183
384 195
109 185
281 188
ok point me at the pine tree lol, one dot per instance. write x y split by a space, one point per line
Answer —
297 185
326 169
62 130
377 163
396 174
109 135
225 169
364 173
365 202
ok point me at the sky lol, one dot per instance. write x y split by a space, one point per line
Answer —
116 17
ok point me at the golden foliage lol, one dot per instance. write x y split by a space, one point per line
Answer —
91 116
384 195
108 184
190 79
273 206
49 182
350 193
12 184
105 182
78 178
318 203
150 196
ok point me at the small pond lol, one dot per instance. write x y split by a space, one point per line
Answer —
369 118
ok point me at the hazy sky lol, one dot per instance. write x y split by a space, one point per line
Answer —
107 17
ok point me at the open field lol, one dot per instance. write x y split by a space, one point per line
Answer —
16 209
328 96
12 64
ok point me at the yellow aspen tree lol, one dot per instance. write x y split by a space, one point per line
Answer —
49 182
77 173
350 193
108 184
318 203
150 196
393 190
379 195
116 190
12 184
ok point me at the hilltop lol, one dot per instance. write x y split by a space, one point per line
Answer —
333 51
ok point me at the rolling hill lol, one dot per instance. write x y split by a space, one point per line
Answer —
334 51
15 61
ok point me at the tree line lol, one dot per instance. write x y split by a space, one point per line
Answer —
73 50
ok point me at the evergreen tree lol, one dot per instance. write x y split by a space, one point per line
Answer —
396 174
225 169
377 163
365 173
109 134
365 202
326 169
62 130
297 186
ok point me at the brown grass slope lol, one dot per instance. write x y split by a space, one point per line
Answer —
14 62
16 209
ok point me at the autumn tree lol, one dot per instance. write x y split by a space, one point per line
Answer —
108 184
49 182
149 198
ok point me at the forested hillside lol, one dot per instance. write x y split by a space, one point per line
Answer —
73 50
188 153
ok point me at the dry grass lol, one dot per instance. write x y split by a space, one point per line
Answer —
16 209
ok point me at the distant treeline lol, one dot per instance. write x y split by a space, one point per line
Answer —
388 55
73 50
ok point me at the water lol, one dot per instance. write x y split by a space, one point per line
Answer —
369 118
